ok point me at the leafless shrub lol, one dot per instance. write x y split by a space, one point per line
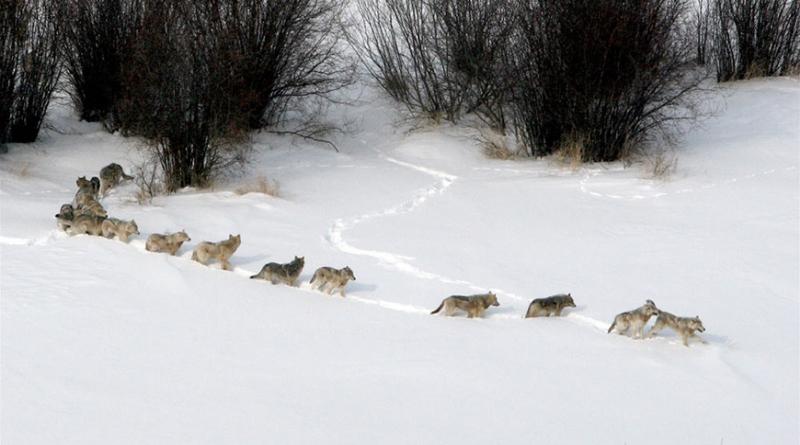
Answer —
440 58
495 145
149 180
99 37
613 72
661 164
755 38
30 65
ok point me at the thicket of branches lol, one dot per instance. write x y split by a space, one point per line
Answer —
99 36
30 34
203 73
754 38
601 75
441 58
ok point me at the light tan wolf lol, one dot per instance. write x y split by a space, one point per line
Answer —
87 190
85 224
553 305
282 273
473 305
111 175
169 243
65 216
90 206
121 228
634 320
220 251
684 326
329 279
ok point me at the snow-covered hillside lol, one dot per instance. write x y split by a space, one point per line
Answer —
103 342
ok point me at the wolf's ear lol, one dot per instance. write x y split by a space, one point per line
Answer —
569 294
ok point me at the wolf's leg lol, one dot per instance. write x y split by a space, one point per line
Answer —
655 329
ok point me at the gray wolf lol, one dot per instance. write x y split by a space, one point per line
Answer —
91 206
553 305
85 224
684 326
65 216
282 273
87 190
473 305
220 251
111 175
332 279
122 229
634 320
169 243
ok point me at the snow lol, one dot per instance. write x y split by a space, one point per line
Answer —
103 342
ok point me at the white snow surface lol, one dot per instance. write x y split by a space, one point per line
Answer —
103 342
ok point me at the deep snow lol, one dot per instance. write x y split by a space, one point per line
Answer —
104 342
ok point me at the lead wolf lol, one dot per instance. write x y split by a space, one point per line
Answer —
220 251
684 326
473 305
331 278
111 175
282 273
553 305
634 320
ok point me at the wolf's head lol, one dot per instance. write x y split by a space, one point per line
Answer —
491 299
82 182
348 273
299 260
237 239
696 324
649 309
182 236
568 301
132 228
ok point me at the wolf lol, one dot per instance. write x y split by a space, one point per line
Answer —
90 206
85 224
473 305
634 320
220 251
111 175
282 273
169 243
87 190
684 326
553 305
65 216
332 279
121 228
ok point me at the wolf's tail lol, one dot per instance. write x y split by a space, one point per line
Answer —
438 308
194 256
125 176
613 325
313 278
253 276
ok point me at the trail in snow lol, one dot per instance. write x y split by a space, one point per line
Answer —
401 263
584 185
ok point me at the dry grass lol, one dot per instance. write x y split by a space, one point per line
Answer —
661 165
495 146
570 153
261 185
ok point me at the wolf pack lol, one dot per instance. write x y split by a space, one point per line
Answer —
85 215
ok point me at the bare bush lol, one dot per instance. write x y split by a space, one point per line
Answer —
179 93
607 73
149 180
754 38
440 58
30 66
287 50
99 37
